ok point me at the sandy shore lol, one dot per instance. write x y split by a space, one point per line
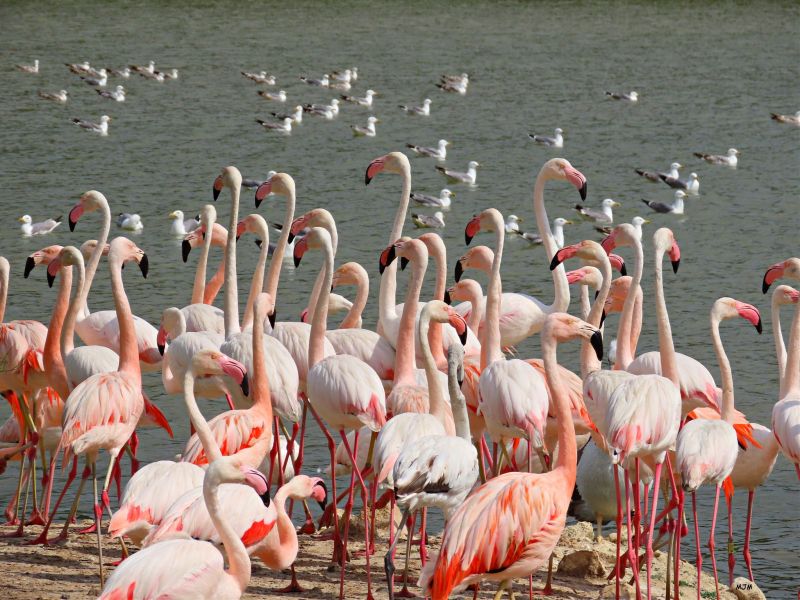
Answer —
69 571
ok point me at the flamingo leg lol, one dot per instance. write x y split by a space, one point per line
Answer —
405 592
337 556
678 535
388 560
650 531
364 499
274 451
637 519
75 502
98 514
711 545
42 538
617 573
747 558
481 468
423 538
731 546
697 542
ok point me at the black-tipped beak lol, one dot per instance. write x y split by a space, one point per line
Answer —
463 337
161 348
297 260
245 385
29 265
72 224
290 239
386 260
675 265
323 503
467 240
458 271
265 498
555 262
367 178
215 192
271 317
759 327
602 318
50 279
447 299
597 344
144 265
582 191
403 263
186 247
623 270
764 284
258 243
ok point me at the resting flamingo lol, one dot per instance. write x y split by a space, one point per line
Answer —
509 526
706 449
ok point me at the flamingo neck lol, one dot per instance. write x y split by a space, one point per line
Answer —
199 287
330 226
589 361
585 304
53 359
94 259
274 275
478 302
258 278
316 344
67 337
231 303
260 394
353 317
437 249
567 449
777 336
197 419
669 366
287 535
624 350
726 407
3 291
404 357
791 378
458 404
560 283
128 347
214 284
180 326
438 406
387 296
490 348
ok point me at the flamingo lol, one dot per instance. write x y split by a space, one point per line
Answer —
509 526
706 449
185 568
342 391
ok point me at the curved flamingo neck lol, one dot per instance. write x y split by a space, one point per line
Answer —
327 223
589 361
199 286
458 403
437 250
94 260
197 419
258 274
585 303
726 407
624 349
405 362
214 284
67 337
316 343
231 303
438 406
287 535
128 348
491 350
474 295
791 378
3 288
53 359
274 275
387 296
567 449
561 285
669 366
179 327
261 395
777 336
353 317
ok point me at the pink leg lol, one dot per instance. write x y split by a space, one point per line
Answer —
617 573
487 455
364 496
731 546
650 531
274 451
711 545
633 548
697 542
747 558
42 538
678 535
337 556
423 538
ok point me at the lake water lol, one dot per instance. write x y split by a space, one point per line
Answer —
708 76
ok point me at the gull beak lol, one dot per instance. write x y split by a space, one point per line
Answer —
616 204
21 219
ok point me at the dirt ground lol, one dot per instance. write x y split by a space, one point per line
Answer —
69 571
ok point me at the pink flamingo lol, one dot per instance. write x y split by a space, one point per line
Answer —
706 449
192 568
342 391
518 517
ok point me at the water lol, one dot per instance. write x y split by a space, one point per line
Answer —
707 76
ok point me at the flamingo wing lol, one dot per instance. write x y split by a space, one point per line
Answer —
234 431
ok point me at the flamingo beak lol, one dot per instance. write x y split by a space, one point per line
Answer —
258 243
618 263
29 265
460 325
773 273
161 340
262 191
144 265
304 316
750 313
472 228
597 344
299 250
403 263
217 187
577 179
322 502
562 255
459 271
447 299
74 215
271 317
675 256
256 480
375 167
573 276
186 247
387 257
609 242
52 270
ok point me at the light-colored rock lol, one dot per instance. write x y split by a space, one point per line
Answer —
609 592
744 589
582 563
574 535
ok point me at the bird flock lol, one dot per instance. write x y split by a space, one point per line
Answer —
433 409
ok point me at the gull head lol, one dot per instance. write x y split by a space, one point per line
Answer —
473 164
733 152
634 96
609 203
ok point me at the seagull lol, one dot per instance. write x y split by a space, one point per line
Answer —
59 96
455 87
130 222
691 185
629 96
439 152
276 96
34 68
603 216
368 131
729 160
346 75
168 74
285 127
343 86
557 141
457 79
181 226
676 208
324 82
459 177
637 223
99 81
296 116
155 75
125 72
101 127
30 228
655 176
788 119
92 72
323 110
150 68
365 101
558 230
427 222
512 224
79 68
442 201
248 182
420 111
260 77
117 94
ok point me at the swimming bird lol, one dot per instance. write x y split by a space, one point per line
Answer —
421 111
454 83
260 77
637 223
462 78
340 85
285 127
691 185
324 81
117 93
348 75
365 101
675 208
368 130
59 96
323 110
428 222
603 216
629 96
439 152
279 96
154 76
557 141
149 68
101 127
34 68
655 176
729 160
181 226
442 201
79 68
296 116
788 119
460 177
30 228
125 72
129 222
99 81
251 183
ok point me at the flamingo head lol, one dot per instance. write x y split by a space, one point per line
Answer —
316 217
617 263
230 178
664 241
124 250
233 469
561 169
317 237
464 290
280 183
88 202
479 257
170 320
394 162
253 223
789 268
213 363
440 312
728 308
88 247
562 327
489 220
347 274
41 257
586 275
587 250
784 295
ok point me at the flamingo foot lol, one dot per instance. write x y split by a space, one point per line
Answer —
18 532
405 593
308 528
90 529
547 590
10 521
37 518
116 563
292 588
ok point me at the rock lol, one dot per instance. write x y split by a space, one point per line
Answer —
582 563
609 592
744 589
577 535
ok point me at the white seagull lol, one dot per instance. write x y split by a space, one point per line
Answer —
788 119
79 68
279 96
59 96
323 110
348 75
603 216
629 96
323 82
691 185
101 127
655 176
368 130
557 141
442 201
459 177
365 101
285 127
181 226
420 111
34 68
125 72
296 116
117 94
729 160
99 81
260 77
30 228
439 152
456 87
168 74
676 208
637 223
130 222
427 222
149 68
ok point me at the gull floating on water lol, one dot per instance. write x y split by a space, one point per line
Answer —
117 94
248 182
348 75
279 96
420 111
99 81
285 127
155 76
30 228
463 79
59 96
428 222
83 68
323 82
460 177
260 77
629 96
149 68
729 160
130 222
323 110
125 72
439 152
691 185
675 208
454 87
34 68
101 127
655 176
365 101
557 141
788 119
168 74
368 130
442 201
181 226
603 216
296 116
343 86
637 223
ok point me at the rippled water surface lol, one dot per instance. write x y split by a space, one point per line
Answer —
708 76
